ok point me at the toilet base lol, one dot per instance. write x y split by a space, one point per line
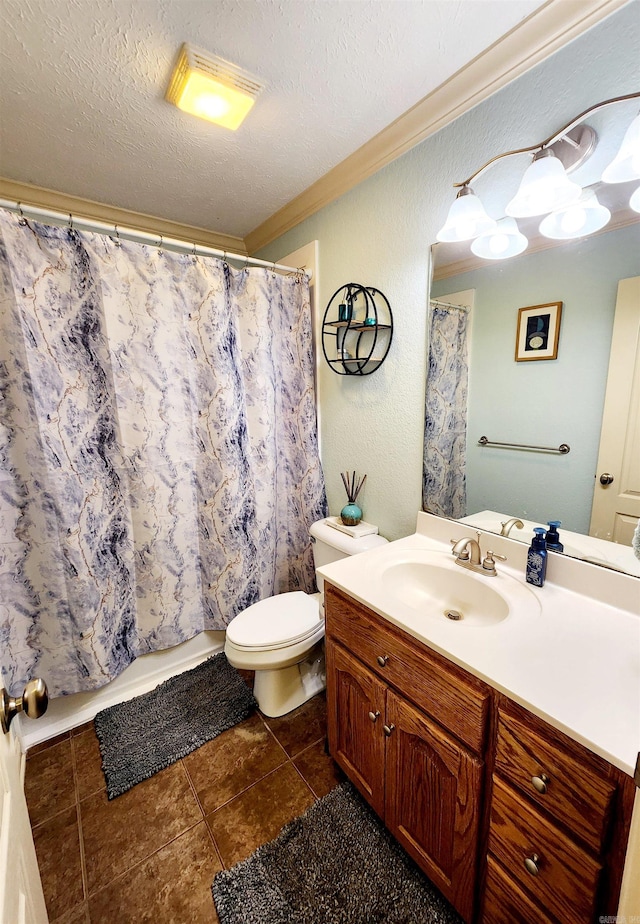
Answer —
282 690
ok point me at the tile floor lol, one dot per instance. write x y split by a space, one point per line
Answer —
152 853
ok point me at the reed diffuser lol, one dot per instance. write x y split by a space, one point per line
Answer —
351 514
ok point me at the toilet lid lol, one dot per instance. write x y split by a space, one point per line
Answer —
276 622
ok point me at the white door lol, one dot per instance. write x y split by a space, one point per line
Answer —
21 897
616 505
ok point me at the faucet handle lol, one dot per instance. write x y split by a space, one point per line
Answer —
489 562
460 548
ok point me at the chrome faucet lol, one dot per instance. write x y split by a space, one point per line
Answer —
468 555
508 525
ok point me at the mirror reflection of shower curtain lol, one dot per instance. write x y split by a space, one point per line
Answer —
158 438
445 432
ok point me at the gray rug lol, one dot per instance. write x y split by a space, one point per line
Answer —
146 734
336 864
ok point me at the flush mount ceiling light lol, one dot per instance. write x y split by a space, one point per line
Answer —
466 219
577 220
503 241
212 88
545 186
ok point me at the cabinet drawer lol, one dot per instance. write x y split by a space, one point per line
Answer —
453 698
576 794
568 877
505 902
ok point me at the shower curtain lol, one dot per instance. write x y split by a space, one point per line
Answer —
445 431
158 440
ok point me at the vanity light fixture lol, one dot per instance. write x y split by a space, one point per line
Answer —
466 219
580 218
503 241
211 88
634 201
546 189
626 164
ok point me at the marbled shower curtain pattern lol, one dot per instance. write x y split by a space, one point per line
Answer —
445 434
157 435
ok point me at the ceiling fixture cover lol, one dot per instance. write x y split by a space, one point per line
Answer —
583 217
504 241
212 88
626 164
466 219
545 187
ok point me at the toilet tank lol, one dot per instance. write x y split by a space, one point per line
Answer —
330 544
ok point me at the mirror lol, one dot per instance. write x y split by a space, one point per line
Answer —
548 402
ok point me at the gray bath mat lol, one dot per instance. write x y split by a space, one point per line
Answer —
336 864
146 734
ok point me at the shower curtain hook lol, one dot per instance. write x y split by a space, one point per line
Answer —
273 272
194 254
22 220
160 245
245 268
299 275
70 222
117 241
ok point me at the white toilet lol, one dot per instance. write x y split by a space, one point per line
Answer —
281 638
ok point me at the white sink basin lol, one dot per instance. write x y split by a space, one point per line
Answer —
432 585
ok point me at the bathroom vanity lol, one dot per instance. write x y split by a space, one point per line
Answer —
492 751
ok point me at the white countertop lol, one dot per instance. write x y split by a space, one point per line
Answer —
569 652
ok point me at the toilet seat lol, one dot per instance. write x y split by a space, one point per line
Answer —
276 622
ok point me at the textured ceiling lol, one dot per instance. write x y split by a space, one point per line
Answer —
82 85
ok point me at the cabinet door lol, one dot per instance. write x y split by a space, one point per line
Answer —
355 716
432 801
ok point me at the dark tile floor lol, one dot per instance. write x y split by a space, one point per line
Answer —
152 853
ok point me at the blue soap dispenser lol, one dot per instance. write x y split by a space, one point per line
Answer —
553 537
537 558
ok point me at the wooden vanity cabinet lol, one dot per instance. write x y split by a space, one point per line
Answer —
392 709
559 824
515 822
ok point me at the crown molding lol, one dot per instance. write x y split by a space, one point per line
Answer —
43 198
623 219
540 35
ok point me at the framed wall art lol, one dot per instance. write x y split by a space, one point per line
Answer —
538 332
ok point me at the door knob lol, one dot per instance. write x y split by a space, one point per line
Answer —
606 478
34 702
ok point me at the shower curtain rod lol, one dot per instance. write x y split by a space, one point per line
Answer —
435 301
141 237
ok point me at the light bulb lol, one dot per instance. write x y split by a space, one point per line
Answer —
634 201
503 241
573 219
498 243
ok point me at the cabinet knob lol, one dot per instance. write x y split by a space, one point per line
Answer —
388 729
382 660
374 715
540 783
531 864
